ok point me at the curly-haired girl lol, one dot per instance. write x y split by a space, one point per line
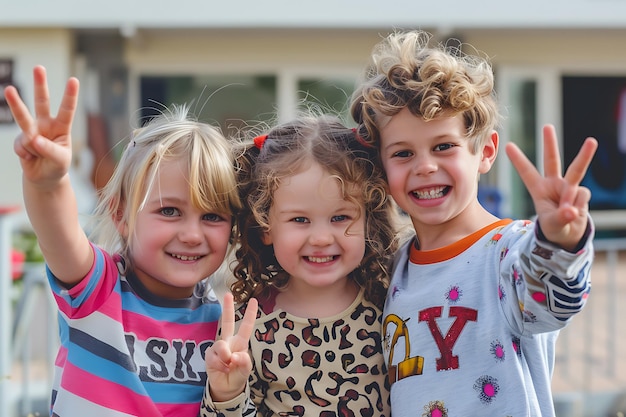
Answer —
317 234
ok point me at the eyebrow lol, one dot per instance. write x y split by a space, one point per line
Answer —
348 206
167 200
404 142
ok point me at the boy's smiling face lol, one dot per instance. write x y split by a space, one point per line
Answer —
432 173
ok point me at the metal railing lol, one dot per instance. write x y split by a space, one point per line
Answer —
590 368
35 343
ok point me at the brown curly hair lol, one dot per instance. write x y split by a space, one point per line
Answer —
431 81
288 147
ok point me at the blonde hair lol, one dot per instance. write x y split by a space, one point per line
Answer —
431 81
173 135
288 149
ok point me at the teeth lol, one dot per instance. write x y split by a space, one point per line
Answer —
185 258
320 260
436 192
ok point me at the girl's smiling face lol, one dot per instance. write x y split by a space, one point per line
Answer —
318 236
175 244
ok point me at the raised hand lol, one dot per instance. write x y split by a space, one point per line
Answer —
228 362
560 202
44 146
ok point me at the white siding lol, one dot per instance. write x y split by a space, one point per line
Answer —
51 48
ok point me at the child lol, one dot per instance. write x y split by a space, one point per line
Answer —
135 318
475 303
316 238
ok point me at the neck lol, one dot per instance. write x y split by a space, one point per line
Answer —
317 302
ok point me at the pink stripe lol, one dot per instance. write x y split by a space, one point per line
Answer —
64 307
113 306
102 290
177 410
106 393
61 357
146 327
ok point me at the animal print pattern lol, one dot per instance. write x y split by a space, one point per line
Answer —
328 367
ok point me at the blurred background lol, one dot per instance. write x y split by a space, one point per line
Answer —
557 61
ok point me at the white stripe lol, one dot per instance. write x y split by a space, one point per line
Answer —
68 404
101 327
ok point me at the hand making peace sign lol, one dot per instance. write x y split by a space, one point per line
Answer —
561 204
228 362
44 146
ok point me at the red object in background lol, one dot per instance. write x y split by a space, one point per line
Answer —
17 263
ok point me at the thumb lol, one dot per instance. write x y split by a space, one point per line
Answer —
568 194
47 149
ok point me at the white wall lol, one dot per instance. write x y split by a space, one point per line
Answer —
27 48
322 13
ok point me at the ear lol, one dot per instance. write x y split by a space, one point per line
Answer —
488 153
120 223
266 237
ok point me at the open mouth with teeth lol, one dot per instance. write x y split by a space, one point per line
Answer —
185 257
320 259
431 193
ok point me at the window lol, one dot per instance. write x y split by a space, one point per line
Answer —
332 95
228 101
596 106
232 101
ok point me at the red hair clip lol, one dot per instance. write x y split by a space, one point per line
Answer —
259 141
360 139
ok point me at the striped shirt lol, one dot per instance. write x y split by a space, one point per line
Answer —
124 351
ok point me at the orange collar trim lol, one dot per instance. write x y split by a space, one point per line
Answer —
448 252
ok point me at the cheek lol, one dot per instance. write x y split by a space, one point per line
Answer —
466 171
220 238
146 236
362 248
286 250
395 182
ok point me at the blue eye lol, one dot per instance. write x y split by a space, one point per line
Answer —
169 211
300 220
340 218
402 154
213 217
444 147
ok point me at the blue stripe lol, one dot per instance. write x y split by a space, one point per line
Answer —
90 286
104 368
571 308
581 278
204 314
164 392
566 298
556 283
101 349
112 365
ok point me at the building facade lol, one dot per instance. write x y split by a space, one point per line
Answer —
242 62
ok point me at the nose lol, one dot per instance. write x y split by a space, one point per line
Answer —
321 235
191 233
424 164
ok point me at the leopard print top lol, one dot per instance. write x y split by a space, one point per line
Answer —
327 367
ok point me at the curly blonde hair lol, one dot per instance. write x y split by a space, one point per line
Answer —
431 81
288 148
